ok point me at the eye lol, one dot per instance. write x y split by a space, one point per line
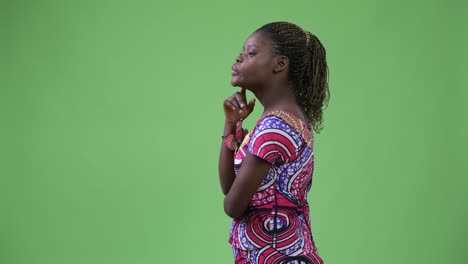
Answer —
251 53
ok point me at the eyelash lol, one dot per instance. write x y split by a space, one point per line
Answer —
249 53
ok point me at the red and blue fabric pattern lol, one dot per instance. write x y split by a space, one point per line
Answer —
276 227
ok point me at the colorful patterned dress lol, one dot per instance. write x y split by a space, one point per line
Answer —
276 226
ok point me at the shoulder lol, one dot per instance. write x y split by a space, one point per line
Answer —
276 128
274 140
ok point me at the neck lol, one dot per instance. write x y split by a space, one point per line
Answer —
276 97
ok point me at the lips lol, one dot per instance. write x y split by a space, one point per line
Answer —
234 70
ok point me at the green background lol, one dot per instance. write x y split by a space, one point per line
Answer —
111 117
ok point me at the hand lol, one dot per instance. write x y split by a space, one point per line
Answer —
235 107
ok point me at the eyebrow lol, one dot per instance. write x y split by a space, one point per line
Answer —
250 45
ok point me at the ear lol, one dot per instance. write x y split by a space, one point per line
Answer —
282 63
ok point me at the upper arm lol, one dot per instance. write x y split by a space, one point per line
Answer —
271 143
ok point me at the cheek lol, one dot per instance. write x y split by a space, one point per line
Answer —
255 70
263 71
264 66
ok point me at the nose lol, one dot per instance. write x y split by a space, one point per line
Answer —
239 58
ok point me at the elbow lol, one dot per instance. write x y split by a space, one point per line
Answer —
224 190
231 212
231 209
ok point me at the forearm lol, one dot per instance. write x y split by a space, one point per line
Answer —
226 161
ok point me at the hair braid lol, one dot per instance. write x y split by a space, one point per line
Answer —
307 71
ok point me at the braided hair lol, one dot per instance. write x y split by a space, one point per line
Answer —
307 70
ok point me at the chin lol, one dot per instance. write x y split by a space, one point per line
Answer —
234 83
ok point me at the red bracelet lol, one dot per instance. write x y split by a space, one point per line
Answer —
230 142
233 141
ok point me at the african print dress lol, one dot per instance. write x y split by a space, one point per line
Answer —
276 227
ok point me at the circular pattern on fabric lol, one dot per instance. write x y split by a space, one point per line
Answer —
276 226
282 230
272 256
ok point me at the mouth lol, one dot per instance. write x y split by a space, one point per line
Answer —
234 71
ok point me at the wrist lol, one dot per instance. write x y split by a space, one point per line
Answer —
229 126
233 134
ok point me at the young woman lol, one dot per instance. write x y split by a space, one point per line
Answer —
267 173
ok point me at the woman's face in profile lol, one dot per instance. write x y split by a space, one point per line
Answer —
255 64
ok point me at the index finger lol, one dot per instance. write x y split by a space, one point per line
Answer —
240 99
242 91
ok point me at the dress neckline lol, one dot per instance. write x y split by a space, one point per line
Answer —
295 122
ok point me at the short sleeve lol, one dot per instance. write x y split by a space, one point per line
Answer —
273 140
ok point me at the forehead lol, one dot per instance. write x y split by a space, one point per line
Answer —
258 40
